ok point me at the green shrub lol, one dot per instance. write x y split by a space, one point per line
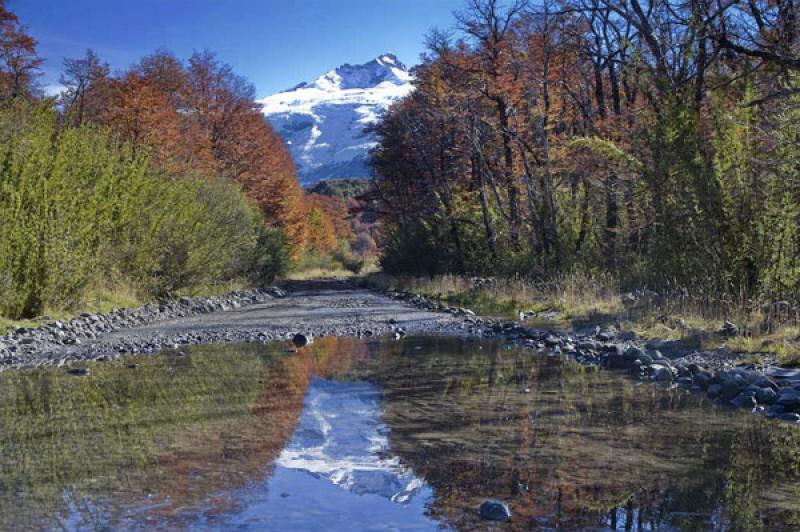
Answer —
76 206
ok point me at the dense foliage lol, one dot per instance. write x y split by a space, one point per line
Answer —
656 140
161 179
80 209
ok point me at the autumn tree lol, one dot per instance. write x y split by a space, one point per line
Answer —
19 62
637 137
198 120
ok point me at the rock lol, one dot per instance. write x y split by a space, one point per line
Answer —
606 335
494 510
765 382
791 417
714 390
551 340
783 373
775 411
302 340
744 401
633 353
660 373
789 399
83 372
729 389
586 345
729 329
646 360
701 378
616 361
766 396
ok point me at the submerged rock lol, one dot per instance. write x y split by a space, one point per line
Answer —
494 510
302 340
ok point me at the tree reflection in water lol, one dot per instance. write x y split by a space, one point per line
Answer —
567 447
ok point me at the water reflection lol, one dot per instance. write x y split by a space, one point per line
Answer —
572 448
379 434
340 438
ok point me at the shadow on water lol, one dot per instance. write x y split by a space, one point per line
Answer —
355 434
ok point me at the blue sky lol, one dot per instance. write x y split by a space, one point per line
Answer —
274 43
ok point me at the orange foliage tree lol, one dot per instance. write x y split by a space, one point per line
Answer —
201 120
19 62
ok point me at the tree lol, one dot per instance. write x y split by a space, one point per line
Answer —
19 62
86 82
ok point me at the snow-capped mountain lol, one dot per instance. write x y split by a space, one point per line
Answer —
340 439
323 121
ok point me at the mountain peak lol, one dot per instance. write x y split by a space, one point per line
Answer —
384 68
324 122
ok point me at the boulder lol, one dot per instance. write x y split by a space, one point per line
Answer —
618 362
789 399
729 389
551 340
660 373
494 510
744 400
633 353
766 396
302 340
606 335
701 378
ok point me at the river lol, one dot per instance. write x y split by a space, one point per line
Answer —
377 434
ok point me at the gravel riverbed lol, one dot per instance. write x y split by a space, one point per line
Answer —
337 308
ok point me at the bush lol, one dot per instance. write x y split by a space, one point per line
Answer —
78 207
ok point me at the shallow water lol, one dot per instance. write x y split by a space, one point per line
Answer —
381 435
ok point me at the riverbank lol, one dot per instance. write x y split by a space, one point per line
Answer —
684 322
731 379
342 308
317 308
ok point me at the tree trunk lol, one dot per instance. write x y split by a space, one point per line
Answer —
491 238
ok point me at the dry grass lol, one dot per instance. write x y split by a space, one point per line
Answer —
102 299
572 295
318 273
675 314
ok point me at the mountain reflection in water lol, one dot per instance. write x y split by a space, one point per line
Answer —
377 434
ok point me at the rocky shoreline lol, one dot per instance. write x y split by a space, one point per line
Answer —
145 330
766 389
30 347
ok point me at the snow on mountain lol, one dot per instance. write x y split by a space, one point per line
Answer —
340 439
323 121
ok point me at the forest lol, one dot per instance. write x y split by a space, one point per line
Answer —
653 141
158 180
